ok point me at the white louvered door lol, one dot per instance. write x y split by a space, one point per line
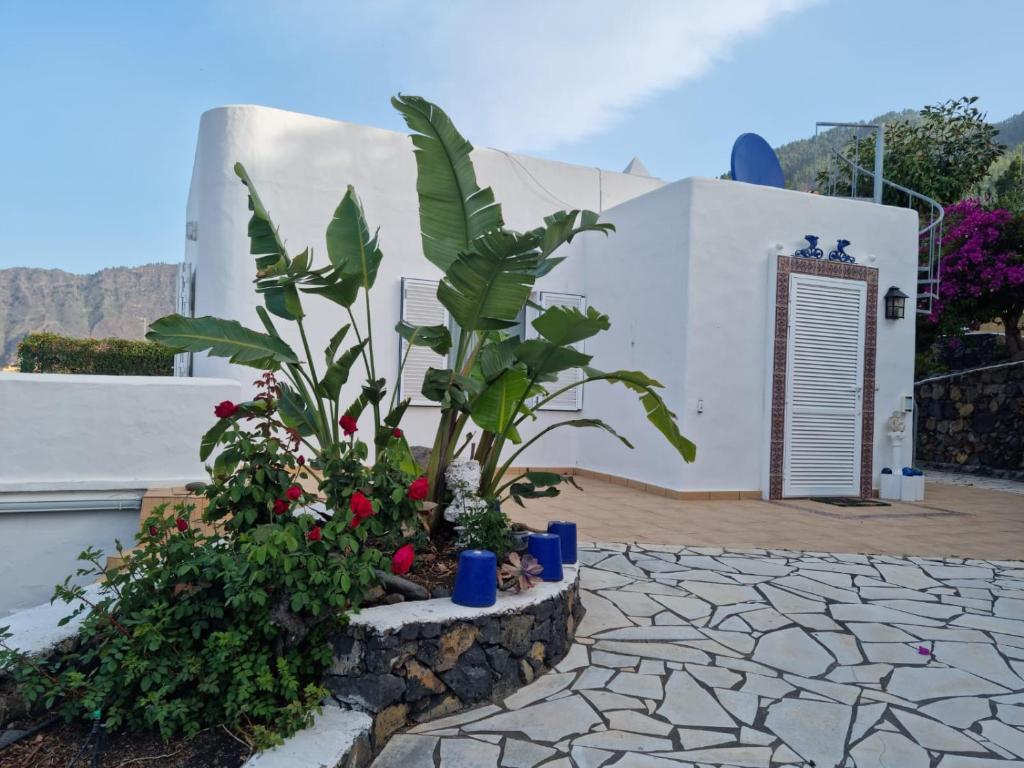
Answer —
420 306
572 400
824 386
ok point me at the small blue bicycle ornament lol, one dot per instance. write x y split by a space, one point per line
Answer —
812 251
840 254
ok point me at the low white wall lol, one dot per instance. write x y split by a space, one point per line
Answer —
38 549
66 432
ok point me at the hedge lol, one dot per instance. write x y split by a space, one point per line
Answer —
52 353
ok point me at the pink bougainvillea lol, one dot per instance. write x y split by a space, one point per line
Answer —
982 268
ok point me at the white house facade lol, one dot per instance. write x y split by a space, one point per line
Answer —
783 370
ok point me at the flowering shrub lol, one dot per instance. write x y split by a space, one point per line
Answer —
982 270
197 630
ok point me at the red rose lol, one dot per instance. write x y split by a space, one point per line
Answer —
361 507
348 425
314 533
225 410
280 506
182 524
396 433
419 488
154 531
294 492
401 561
301 460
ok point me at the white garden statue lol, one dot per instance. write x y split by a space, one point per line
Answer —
463 480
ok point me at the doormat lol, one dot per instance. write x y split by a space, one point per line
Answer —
849 501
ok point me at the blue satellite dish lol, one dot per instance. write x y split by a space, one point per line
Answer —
754 161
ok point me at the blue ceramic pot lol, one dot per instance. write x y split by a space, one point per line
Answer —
547 548
476 580
565 531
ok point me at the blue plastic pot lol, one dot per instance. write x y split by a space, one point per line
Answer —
476 580
547 548
565 531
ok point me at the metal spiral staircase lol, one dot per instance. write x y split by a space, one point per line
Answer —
843 176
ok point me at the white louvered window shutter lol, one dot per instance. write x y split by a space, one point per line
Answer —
573 399
420 306
824 381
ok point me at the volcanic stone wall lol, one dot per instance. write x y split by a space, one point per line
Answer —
973 420
429 669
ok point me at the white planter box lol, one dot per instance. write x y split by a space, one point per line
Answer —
912 488
889 487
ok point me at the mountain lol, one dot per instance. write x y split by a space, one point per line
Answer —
119 302
800 159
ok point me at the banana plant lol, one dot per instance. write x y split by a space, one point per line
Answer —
495 381
309 395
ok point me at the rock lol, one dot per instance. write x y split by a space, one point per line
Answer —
470 679
421 681
370 692
394 598
440 592
525 671
387 722
515 633
421 455
404 587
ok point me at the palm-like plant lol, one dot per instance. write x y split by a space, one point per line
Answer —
496 380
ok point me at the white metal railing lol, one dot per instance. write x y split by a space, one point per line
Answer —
930 212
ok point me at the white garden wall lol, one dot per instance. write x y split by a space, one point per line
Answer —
79 452
65 432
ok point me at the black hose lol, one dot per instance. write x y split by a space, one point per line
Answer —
31 731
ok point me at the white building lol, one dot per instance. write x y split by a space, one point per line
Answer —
782 370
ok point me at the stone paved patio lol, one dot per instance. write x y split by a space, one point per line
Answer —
754 658
967 521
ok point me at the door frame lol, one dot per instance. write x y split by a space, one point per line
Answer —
789 265
861 288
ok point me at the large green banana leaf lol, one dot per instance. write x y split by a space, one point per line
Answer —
454 211
657 412
350 246
485 289
568 325
436 337
222 338
495 407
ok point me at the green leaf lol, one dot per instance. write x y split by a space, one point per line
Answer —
295 411
337 374
221 338
436 337
544 358
496 356
212 437
657 412
454 211
486 288
568 325
394 418
335 342
350 247
264 242
495 407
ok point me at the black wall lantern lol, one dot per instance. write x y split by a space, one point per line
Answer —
895 304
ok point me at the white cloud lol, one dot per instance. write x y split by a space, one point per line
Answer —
534 74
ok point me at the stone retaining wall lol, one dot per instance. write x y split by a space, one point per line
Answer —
417 661
973 419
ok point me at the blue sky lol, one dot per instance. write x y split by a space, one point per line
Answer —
101 99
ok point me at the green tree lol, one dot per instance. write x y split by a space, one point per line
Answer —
1008 187
943 155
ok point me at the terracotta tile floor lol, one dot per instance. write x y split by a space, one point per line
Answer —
952 521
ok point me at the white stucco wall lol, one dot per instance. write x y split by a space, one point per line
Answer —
65 432
686 281
301 166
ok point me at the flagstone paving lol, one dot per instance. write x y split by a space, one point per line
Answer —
694 657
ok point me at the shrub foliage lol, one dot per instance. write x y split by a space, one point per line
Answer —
52 353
